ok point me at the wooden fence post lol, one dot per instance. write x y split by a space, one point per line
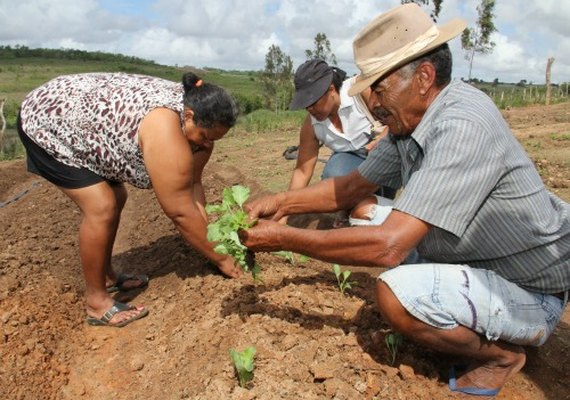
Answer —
2 125
548 84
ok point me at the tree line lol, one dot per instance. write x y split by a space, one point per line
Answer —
277 76
8 52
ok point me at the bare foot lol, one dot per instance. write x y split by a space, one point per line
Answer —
492 374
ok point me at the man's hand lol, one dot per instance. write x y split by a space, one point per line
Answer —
264 236
372 144
265 207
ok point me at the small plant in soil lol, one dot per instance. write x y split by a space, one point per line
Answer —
393 342
342 278
224 230
243 363
289 256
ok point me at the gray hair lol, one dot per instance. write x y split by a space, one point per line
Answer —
440 57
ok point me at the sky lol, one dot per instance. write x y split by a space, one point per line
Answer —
236 34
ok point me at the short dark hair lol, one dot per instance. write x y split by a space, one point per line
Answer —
440 57
211 104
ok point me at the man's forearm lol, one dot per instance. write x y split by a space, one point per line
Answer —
349 246
328 195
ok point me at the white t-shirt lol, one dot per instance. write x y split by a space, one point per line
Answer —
354 122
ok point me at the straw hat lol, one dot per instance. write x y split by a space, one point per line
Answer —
395 38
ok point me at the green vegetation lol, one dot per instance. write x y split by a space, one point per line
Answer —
510 95
23 69
224 230
243 363
560 137
321 50
289 257
266 120
478 39
342 278
393 342
277 79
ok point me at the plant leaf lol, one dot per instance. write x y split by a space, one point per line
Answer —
240 194
243 363
336 270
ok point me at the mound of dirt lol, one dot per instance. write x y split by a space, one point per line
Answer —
312 341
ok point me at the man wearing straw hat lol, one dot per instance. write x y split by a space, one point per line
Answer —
493 272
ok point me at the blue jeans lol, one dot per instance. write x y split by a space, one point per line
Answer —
343 163
448 295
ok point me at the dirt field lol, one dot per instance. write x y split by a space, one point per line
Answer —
312 342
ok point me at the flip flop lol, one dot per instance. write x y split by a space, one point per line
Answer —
474 391
117 308
119 286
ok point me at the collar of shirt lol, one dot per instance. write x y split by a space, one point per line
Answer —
422 131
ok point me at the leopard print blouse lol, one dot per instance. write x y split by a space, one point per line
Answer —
92 120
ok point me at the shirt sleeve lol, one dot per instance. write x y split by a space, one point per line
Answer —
383 166
460 168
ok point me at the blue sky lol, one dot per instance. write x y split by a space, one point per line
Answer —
236 34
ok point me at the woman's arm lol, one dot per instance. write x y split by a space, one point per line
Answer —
173 171
201 158
307 156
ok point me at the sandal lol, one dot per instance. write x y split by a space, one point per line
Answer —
119 286
117 308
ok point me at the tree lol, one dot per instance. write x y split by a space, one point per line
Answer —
277 79
436 6
478 39
322 50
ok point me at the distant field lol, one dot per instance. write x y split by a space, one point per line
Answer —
20 74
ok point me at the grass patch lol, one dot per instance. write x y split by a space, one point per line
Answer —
265 120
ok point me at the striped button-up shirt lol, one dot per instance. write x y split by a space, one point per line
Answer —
465 173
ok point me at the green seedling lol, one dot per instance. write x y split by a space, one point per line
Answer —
393 341
291 257
287 255
243 363
342 278
224 230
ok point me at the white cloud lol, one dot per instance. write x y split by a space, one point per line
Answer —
236 34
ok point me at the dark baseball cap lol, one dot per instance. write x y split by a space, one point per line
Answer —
312 79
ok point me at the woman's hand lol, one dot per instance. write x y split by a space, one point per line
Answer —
230 268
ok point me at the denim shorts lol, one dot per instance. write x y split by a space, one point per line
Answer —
446 296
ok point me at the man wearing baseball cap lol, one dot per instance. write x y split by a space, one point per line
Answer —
493 272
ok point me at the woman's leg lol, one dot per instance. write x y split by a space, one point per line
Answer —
120 193
101 205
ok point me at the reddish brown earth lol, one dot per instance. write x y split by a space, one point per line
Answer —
312 342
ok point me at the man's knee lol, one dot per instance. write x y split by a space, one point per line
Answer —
390 307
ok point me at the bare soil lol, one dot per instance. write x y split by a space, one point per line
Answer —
312 341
